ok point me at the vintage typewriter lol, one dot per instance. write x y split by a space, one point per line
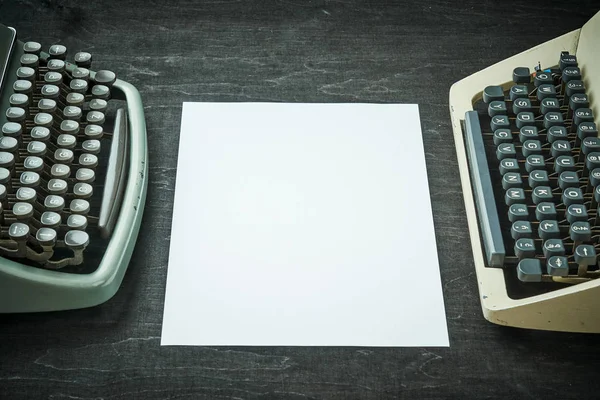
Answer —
73 177
526 134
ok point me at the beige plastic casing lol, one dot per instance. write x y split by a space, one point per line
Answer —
572 309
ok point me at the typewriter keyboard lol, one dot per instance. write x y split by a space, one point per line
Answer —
61 169
534 155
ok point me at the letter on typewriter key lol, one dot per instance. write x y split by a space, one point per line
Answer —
567 60
571 74
560 148
534 162
54 203
531 147
545 210
568 179
557 133
542 194
46 237
542 78
528 132
553 119
546 91
76 221
549 105
509 165
557 266
524 119
500 136
572 195
513 196
521 105
499 122
511 180
579 100
506 150
538 178
518 92
529 270
564 163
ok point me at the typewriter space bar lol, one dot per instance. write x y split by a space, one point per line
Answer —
484 194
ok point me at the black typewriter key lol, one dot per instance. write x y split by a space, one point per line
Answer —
54 203
85 175
557 132
88 160
16 114
50 219
576 212
78 86
580 231
60 171
26 194
95 117
75 99
83 190
9 144
587 129
528 132
79 206
582 115
521 75
542 194
564 163
108 78
69 127
46 236
572 195
538 178
40 133
43 119
553 119
553 248
521 229
50 91
511 180
579 100
53 78
524 119
93 131
12 129
58 51
549 104
63 156
571 74
91 146
77 240
76 221
19 100
33 163
534 162
509 165
101 105
567 60
32 48
5 176
592 160
543 78
57 186
83 59
531 147
7 160
568 179
502 136
505 150
66 141
18 231
29 60
546 91
30 179
529 270
595 177
22 211
585 255
47 106
524 248
560 148
514 196
26 73
518 92
72 113
557 266
548 229
101 92
521 105
518 212
573 87
597 194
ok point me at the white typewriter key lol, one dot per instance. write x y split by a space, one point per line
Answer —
79 206
101 92
4 175
30 179
88 160
26 194
53 78
93 131
75 99
46 236
83 59
57 186
7 160
23 86
43 119
9 144
18 231
104 77
72 112
32 48
26 73
40 133
54 203
98 105
16 114
63 156
50 91
95 117
33 163
36 148
3 192
47 105
76 221
12 129
78 86
77 240
22 211
19 100
85 175
58 51
29 60
83 190
69 127
66 141
50 219
60 171
81 73
91 146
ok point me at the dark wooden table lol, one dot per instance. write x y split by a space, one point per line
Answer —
290 51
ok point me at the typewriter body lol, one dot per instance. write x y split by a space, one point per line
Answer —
526 135
73 176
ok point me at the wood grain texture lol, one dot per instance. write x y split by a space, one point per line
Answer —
290 51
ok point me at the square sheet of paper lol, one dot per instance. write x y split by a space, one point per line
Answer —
302 225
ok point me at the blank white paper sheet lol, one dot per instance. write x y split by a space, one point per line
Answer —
302 225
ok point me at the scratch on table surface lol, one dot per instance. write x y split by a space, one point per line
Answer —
434 358
458 278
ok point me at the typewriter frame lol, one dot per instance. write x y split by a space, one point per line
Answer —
572 309
27 289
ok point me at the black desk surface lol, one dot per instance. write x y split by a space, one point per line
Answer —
292 51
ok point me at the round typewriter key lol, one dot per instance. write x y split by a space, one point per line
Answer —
69 127
83 190
77 240
529 270
557 266
54 203
30 179
576 212
75 99
47 105
94 131
95 117
33 163
580 231
36 148
32 48
553 247
107 78
50 219
78 86
98 105
101 92
9 144
18 231
15 114
29 60
26 194
63 156
76 221
60 171
58 51
79 206
81 73
53 77
83 59
72 112
26 73
524 248
40 133
4 175
43 119
518 212
7 160
91 146
57 186
66 141
12 129
3 194
22 211
19 100
46 236
88 160
85 175
50 91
